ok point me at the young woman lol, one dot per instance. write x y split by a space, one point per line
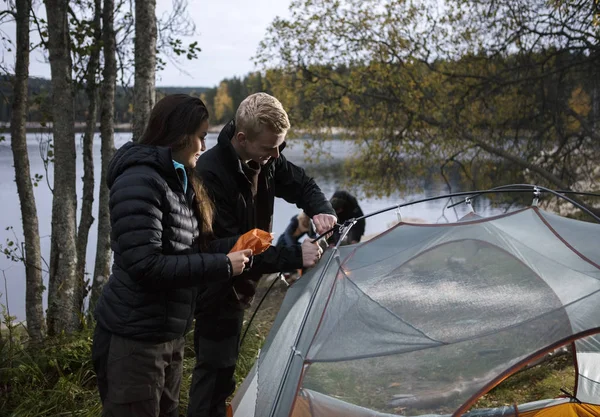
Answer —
163 255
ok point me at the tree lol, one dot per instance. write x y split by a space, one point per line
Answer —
87 200
103 249
63 314
145 64
237 90
70 32
254 82
33 257
223 104
486 80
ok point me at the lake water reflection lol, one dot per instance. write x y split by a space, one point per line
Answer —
328 174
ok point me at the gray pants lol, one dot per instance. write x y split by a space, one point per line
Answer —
137 378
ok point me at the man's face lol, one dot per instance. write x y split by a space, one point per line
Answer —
263 146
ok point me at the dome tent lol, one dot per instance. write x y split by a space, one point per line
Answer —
426 318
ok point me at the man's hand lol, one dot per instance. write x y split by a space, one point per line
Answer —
324 222
238 260
311 253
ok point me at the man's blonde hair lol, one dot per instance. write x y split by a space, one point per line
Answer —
260 110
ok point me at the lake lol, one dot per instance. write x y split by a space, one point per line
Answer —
327 173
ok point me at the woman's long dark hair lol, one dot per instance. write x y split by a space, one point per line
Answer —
173 123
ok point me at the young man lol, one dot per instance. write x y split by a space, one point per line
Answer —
243 174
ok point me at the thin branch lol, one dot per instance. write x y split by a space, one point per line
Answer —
38 27
7 12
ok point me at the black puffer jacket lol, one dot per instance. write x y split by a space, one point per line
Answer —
157 268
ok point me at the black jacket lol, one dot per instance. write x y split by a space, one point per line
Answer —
287 238
236 212
347 207
157 266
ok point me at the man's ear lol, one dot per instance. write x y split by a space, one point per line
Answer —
241 137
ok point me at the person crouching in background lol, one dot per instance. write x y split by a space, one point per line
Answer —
346 207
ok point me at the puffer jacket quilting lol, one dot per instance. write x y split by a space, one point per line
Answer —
157 268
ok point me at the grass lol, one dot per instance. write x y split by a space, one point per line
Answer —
58 379
52 380
539 382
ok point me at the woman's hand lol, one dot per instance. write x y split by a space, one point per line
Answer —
238 261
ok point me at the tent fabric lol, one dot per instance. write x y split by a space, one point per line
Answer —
244 401
313 404
425 318
565 410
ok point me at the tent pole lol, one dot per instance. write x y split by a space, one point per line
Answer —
293 349
523 188
558 193
422 200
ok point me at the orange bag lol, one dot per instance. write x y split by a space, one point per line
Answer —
256 239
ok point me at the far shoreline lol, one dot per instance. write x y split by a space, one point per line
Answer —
79 127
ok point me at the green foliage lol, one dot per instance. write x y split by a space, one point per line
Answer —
36 179
40 101
470 82
223 104
237 88
223 101
250 349
12 249
56 378
190 52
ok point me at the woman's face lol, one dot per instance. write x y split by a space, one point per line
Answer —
189 155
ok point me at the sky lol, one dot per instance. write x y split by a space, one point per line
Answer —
228 32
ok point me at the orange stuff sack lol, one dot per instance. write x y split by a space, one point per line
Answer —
256 239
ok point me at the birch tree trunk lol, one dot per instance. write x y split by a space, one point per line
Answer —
145 64
107 100
87 218
34 312
63 252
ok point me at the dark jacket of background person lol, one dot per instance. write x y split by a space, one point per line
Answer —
236 211
157 266
346 207
287 238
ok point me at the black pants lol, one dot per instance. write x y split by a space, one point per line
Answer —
216 342
137 378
